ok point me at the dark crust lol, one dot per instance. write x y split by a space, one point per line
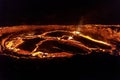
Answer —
24 28
5 31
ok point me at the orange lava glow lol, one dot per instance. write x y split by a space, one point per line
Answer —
50 38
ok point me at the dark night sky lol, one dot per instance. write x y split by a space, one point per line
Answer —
59 12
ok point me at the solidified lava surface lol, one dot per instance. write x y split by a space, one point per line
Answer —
51 41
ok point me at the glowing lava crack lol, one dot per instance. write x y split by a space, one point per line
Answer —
45 43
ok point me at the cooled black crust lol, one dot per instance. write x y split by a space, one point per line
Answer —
6 31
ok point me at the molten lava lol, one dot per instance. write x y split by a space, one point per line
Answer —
59 41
